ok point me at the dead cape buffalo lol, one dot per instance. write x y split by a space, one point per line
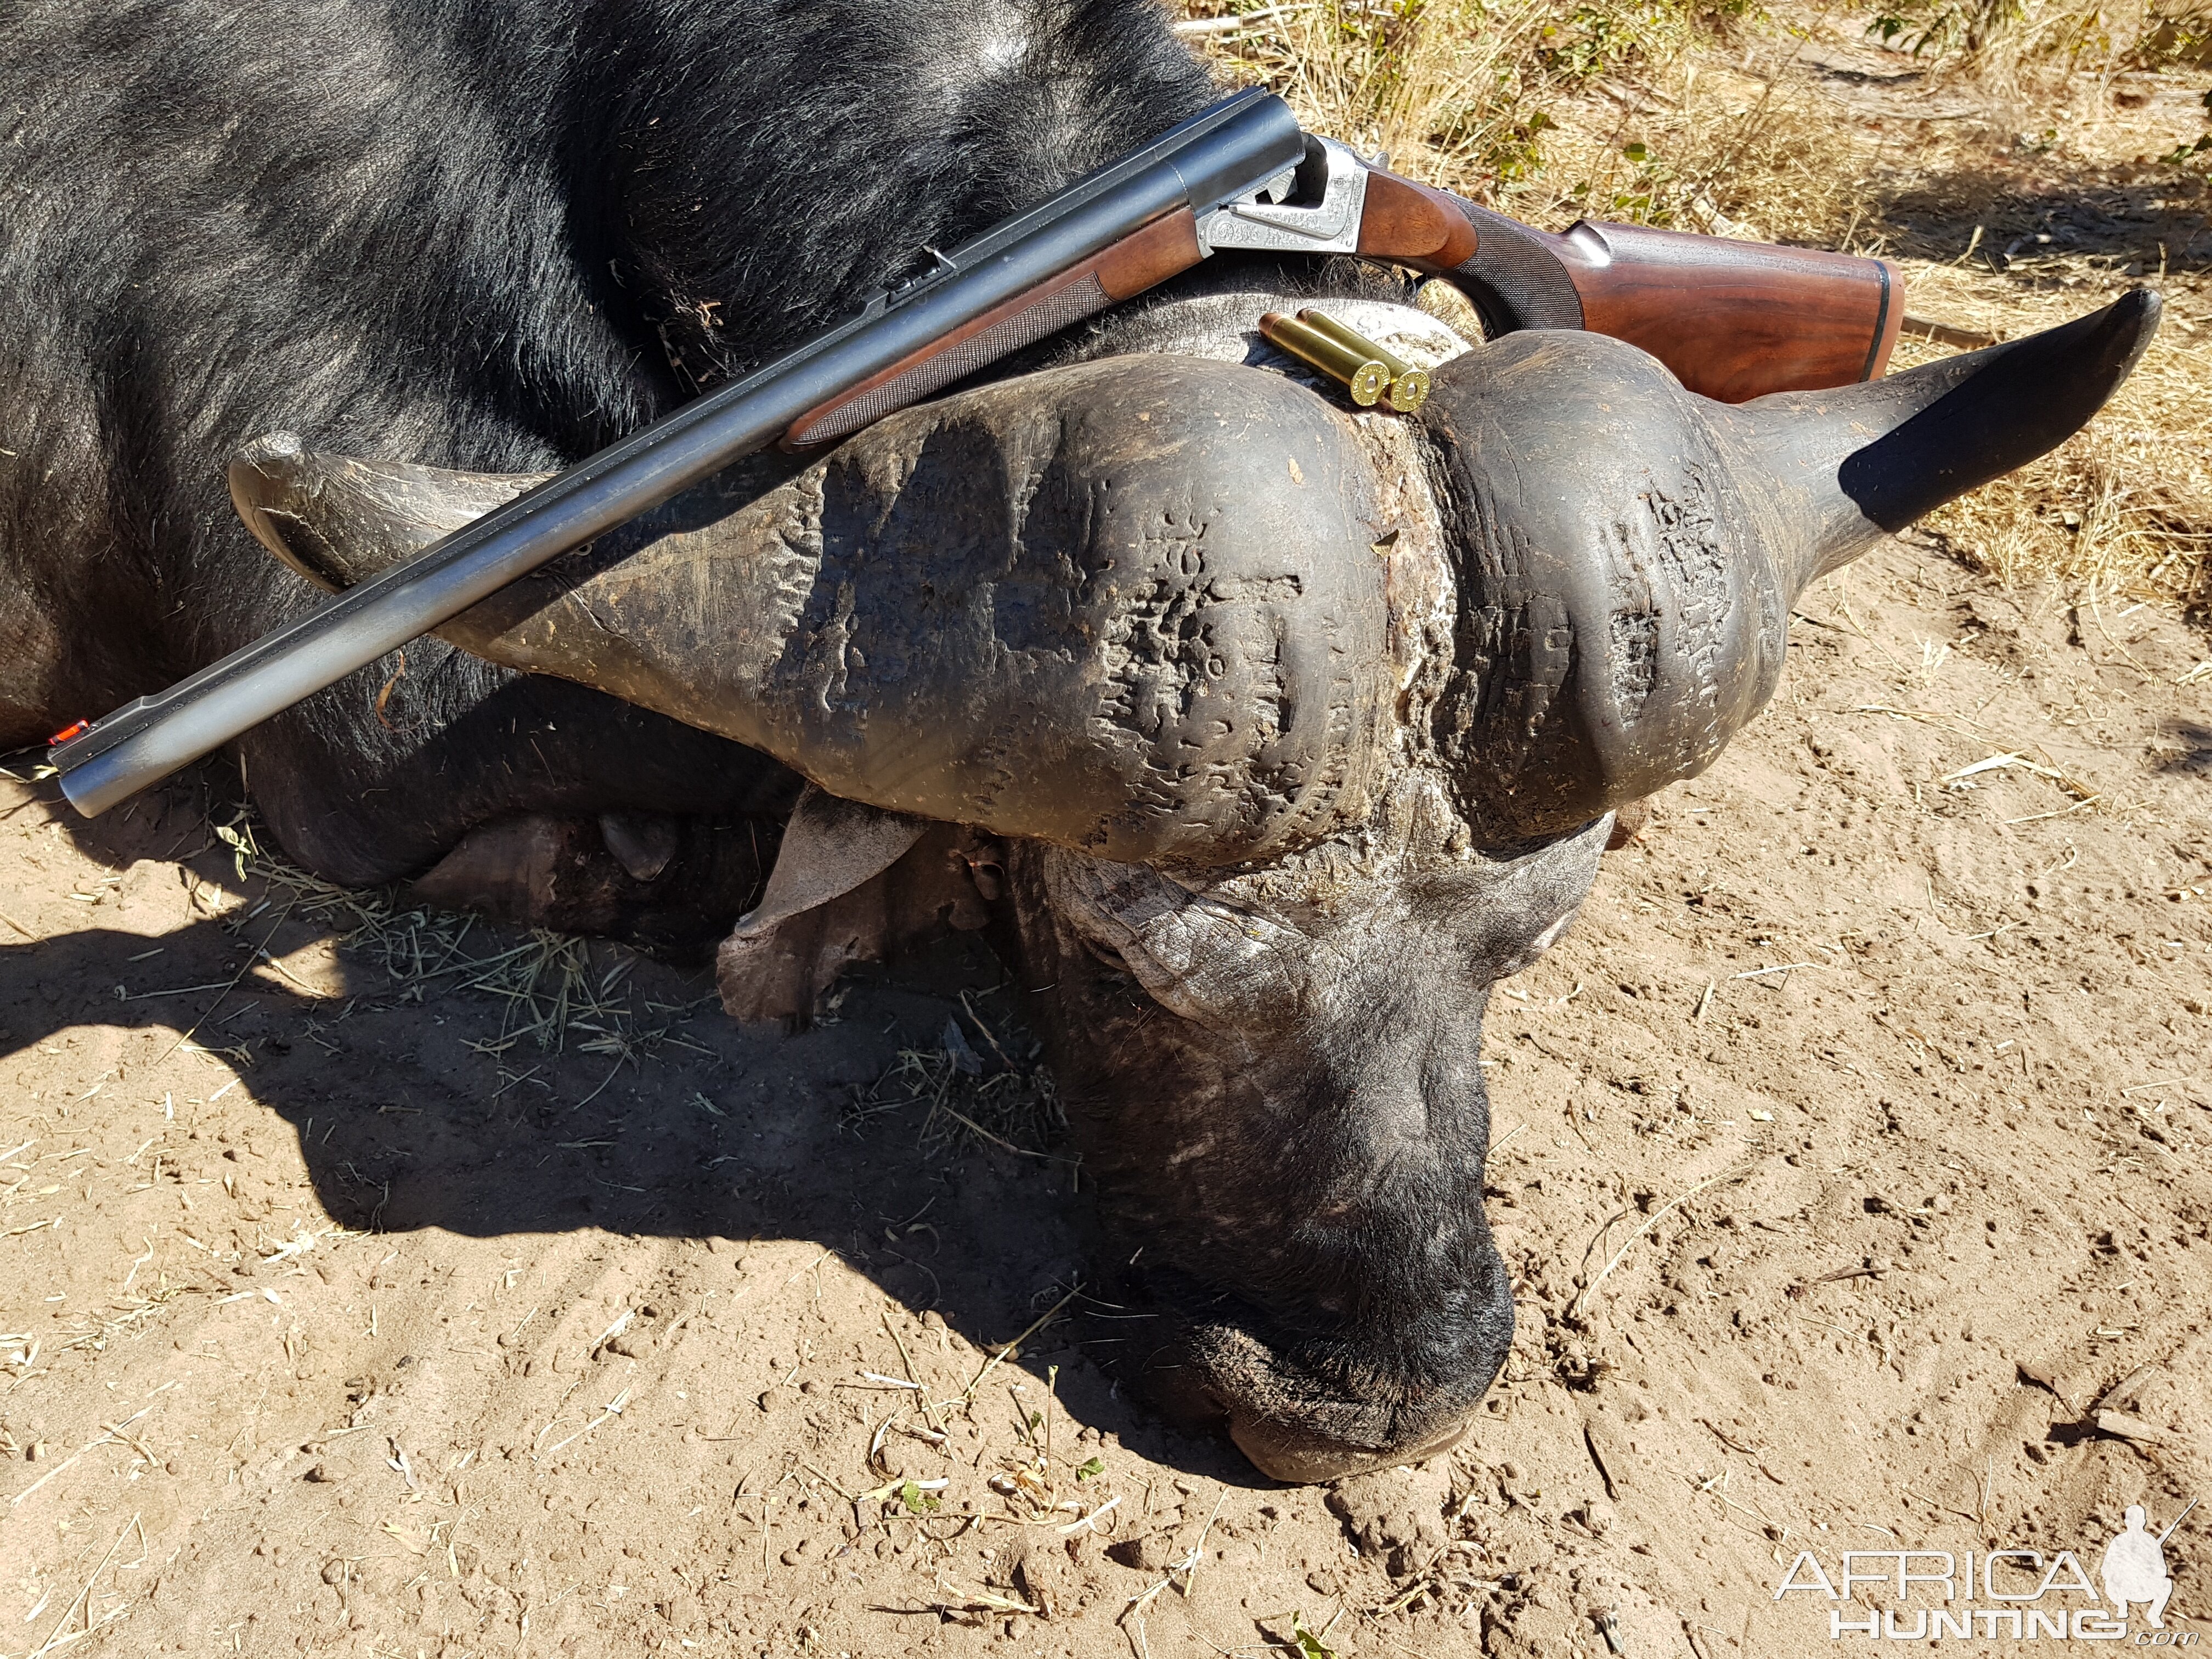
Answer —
1265 735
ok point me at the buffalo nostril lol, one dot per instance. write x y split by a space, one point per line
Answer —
1107 958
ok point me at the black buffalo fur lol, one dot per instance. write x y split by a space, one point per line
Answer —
481 234
496 234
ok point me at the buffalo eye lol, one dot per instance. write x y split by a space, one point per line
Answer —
1107 958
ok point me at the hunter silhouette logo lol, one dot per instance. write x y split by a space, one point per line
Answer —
2015 1594
2135 1569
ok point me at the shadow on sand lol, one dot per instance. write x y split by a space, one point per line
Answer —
673 1121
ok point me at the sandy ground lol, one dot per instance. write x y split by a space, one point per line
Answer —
1850 1159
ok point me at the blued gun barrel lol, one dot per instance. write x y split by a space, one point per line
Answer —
1114 233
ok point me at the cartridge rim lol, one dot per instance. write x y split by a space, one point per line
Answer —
1409 391
1364 376
1406 386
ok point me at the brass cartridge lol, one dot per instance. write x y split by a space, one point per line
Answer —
1359 372
1409 386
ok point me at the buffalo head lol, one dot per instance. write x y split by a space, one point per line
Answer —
1278 733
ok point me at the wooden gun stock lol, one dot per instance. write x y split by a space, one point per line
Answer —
1733 321
1166 246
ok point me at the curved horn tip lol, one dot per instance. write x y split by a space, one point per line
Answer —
1975 418
261 467
338 519
256 476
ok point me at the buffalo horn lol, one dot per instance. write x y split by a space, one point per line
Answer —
1628 552
1870 460
1134 607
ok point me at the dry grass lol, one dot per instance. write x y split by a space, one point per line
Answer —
2015 45
548 981
559 992
2124 510
985 1081
1787 126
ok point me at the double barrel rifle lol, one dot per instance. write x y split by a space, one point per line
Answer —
1732 320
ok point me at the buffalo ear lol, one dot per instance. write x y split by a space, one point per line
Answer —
829 847
852 883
